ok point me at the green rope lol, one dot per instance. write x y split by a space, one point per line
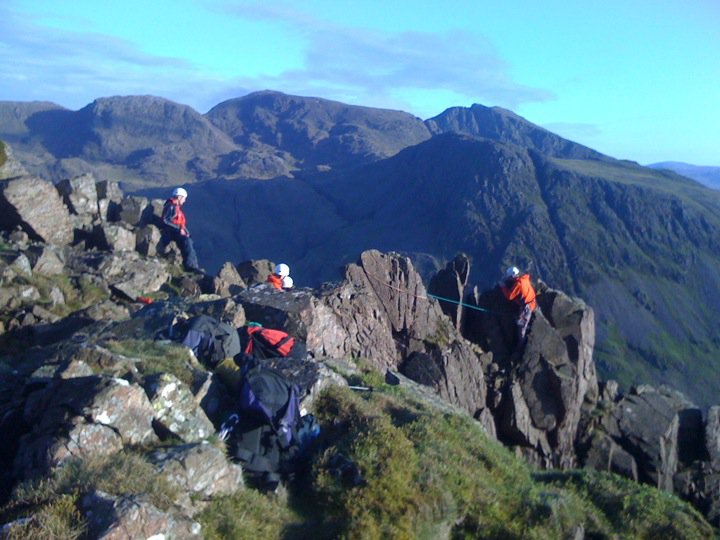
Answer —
463 304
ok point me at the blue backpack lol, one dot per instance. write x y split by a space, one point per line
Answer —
267 433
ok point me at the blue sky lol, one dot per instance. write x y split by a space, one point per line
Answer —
635 79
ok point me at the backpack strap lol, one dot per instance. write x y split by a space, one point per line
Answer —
250 329
288 422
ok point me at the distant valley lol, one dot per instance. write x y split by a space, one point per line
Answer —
708 176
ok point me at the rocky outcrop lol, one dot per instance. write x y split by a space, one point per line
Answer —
228 281
72 396
80 194
35 206
198 472
659 429
136 211
176 411
79 417
9 166
380 312
448 286
132 516
131 275
255 272
537 391
114 237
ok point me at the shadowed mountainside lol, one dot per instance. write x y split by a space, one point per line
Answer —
640 246
505 126
148 141
317 132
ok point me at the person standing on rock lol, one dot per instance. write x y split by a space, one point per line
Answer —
517 288
175 230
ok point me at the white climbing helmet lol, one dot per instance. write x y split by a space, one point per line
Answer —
512 272
179 192
287 282
282 270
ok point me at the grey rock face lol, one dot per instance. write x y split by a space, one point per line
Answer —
382 313
135 210
79 417
255 271
147 240
575 323
198 471
133 276
48 260
115 237
450 283
399 290
21 265
712 436
606 455
109 190
35 206
539 390
228 281
176 411
133 516
11 168
103 360
649 422
553 389
80 194
291 311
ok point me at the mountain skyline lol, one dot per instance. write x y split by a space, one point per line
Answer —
616 82
313 182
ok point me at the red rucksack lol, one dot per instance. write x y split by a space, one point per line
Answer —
267 343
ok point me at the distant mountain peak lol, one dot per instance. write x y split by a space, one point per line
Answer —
505 126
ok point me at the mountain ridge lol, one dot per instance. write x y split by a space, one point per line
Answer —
637 243
706 175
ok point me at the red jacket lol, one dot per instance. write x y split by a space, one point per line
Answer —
173 214
520 290
275 281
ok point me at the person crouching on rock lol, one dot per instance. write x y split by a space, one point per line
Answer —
175 230
281 279
517 288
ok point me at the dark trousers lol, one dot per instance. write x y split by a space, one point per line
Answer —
185 244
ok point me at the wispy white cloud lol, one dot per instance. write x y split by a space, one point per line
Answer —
574 131
347 64
375 65
73 68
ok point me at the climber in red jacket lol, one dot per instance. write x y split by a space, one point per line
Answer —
280 279
175 229
517 288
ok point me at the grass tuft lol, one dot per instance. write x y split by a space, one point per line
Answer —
245 515
51 502
156 357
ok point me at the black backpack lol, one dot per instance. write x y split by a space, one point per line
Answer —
263 434
210 340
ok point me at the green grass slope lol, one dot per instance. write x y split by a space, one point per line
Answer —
429 475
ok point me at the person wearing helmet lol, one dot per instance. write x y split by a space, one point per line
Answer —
281 274
175 229
516 287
